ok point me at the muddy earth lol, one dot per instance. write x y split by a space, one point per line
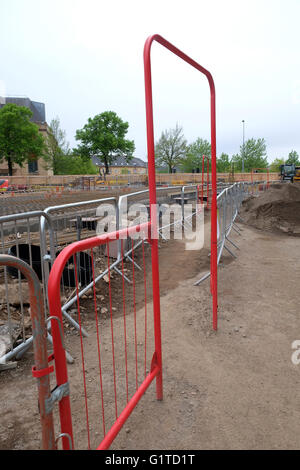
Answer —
277 210
234 389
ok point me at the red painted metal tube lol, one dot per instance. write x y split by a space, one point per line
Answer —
151 171
207 179
119 423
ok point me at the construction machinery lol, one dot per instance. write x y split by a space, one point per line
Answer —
288 172
297 173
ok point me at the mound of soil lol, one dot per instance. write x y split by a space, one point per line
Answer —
276 210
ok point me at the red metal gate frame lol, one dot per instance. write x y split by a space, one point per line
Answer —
151 157
59 350
58 266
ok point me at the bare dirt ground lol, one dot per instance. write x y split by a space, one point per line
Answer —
39 201
234 389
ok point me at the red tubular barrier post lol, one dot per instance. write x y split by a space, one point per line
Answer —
207 183
152 190
202 190
153 212
207 179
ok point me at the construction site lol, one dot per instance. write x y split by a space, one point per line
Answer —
149 310
258 228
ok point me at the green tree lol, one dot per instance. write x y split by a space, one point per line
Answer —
255 155
194 156
57 147
275 165
170 148
223 163
20 140
104 137
293 157
74 165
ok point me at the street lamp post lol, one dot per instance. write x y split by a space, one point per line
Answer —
243 156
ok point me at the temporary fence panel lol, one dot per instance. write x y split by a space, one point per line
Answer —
122 368
41 369
165 195
229 201
20 237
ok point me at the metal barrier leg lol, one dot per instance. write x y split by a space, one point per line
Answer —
206 276
135 264
229 251
122 275
230 241
236 229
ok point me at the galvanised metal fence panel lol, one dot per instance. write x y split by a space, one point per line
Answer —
20 237
164 195
229 202
70 222
41 369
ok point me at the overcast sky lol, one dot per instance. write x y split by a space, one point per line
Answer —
83 57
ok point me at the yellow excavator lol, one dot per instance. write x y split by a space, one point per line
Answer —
297 173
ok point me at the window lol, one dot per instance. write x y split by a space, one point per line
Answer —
33 166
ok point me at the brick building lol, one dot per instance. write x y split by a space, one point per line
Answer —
36 167
120 166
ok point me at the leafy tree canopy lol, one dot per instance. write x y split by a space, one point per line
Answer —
293 157
255 155
57 147
223 163
194 157
104 137
70 164
20 140
170 148
275 165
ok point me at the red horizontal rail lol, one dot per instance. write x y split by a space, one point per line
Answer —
115 429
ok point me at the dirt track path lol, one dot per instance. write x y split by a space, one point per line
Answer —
236 389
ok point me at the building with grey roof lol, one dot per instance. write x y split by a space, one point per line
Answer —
121 166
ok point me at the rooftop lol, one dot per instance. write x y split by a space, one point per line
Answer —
38 109
121 161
